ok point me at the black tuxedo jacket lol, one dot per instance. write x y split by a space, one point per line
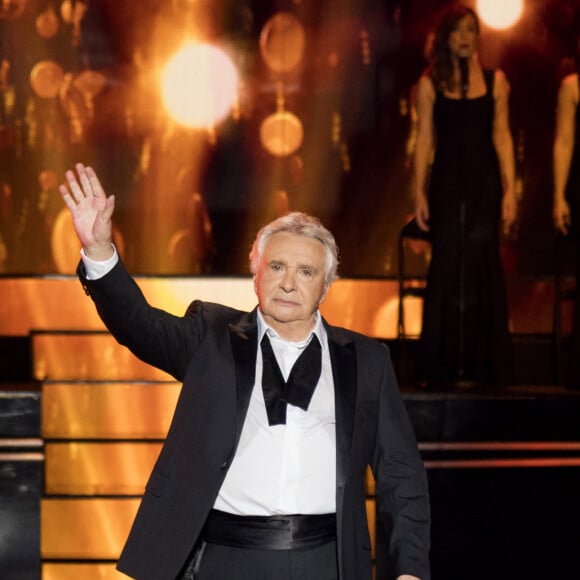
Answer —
212 351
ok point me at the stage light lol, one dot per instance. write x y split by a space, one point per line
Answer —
282 42
281 133
199 86
46 79
11 9
500 14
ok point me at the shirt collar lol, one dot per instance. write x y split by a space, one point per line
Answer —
318 330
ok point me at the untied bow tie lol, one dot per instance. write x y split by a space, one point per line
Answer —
299 387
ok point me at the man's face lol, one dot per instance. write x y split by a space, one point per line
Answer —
290 283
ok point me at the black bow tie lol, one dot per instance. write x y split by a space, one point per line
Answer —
299 387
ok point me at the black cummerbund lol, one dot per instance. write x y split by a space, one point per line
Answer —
270 532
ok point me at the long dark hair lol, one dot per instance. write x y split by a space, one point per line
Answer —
440 65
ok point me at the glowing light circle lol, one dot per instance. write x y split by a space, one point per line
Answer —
90 82
282 42
500 14
46 78
47 24
281 133
10 9
199 85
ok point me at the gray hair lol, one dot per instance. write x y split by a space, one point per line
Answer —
299 224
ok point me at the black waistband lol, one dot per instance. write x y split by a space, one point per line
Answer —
270 532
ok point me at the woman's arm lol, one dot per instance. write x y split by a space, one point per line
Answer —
504 147
563 148
423 149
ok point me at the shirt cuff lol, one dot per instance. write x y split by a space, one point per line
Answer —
97 269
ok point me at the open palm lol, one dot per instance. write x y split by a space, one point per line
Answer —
90 207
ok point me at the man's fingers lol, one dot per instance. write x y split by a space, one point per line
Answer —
95 183
84 179
74 187
68 200
84 183
64 192
109 208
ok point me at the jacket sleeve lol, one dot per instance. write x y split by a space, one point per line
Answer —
401 482
153 335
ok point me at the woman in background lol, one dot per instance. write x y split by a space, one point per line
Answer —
566 203
463 117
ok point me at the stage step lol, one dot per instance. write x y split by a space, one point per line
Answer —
87 356
138 410
66 536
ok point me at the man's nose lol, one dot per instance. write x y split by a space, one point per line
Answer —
288 282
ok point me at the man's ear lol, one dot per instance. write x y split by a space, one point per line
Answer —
326 289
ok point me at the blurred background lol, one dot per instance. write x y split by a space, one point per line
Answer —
207 118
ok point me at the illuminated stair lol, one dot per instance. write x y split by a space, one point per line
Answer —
104 418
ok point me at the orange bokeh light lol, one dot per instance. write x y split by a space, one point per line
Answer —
199 85
500 14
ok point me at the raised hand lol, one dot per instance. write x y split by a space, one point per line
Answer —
91 211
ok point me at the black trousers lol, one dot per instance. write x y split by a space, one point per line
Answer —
217 562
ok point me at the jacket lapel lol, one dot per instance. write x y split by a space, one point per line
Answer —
344 371
244 341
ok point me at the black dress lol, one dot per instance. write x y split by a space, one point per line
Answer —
573 198
465 333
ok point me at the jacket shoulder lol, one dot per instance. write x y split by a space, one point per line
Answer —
215 313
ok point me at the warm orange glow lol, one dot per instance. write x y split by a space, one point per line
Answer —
281 133
199 85
500 14
282 42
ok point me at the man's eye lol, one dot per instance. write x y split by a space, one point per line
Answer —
276 267
307 272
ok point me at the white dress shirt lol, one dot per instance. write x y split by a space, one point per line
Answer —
291 468
97 269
